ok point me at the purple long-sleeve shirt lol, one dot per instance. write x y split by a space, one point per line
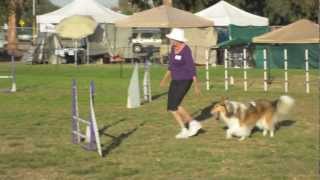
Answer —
181 65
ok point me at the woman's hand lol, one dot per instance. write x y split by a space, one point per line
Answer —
162 83
165 78
197 89
196 86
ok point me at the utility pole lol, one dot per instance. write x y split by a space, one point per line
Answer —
34 31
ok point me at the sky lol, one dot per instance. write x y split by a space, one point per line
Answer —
107 3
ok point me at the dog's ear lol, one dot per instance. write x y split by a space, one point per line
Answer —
229 108
224 99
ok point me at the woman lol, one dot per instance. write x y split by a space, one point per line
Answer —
183 73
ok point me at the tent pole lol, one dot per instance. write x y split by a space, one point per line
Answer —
115 39
88 49
75 53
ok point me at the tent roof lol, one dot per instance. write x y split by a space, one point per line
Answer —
164 17
302 31
81 7
224 14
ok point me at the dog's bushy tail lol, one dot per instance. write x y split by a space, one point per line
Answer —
284 104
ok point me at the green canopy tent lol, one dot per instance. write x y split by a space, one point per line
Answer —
242 35
240 38
295 37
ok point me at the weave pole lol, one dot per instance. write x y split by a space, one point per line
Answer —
265 77
226 83
285 70
13 74
307 85
245 82
207 71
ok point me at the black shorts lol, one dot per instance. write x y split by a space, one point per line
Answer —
177 90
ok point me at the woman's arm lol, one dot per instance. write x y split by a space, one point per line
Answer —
165 78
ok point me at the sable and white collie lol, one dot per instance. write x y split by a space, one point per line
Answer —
241 118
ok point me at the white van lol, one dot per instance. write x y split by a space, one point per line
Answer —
142 38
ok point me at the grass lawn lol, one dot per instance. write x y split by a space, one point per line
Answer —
36 143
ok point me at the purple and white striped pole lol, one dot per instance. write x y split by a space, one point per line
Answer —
306 53
285 71
75 113
265 77
245 82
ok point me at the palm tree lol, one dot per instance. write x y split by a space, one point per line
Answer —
13 7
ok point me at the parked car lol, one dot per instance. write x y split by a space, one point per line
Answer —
24 34
3 41
143 38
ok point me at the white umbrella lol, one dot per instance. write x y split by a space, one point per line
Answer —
76 27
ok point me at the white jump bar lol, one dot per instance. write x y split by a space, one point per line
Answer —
6 77
79 134
81 120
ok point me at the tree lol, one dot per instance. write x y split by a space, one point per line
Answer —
287 11
13 7
20 9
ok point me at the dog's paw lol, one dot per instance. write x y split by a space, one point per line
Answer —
265 132
228 134
242 138
271 134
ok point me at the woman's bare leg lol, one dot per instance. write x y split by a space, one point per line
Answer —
178 118
184 114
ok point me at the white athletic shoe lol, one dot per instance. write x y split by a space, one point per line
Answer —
184 134
194 127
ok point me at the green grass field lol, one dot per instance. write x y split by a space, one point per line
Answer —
36 144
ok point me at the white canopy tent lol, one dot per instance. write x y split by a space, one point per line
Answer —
108 3
224 14
92 8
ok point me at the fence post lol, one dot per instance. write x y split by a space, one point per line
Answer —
285 71
265 78
306 53
226 85
245 83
